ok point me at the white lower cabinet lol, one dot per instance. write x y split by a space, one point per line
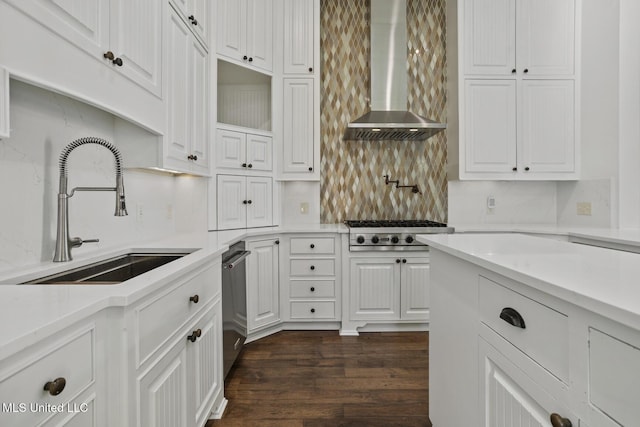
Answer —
392 287
263 288
61 381
244 202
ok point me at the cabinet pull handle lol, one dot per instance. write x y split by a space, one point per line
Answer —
512 317
313 267
558 421
56 386
194 299
195 335
312 289
312 246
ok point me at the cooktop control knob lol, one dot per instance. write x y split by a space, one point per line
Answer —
409 239
375 239
360 239
395 239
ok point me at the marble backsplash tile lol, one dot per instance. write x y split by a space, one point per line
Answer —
352 182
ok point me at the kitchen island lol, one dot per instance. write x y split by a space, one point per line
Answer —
532 331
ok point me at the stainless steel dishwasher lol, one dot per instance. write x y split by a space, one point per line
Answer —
234 303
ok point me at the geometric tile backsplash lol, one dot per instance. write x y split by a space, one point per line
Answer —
352 183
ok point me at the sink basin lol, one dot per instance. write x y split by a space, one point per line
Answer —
110 271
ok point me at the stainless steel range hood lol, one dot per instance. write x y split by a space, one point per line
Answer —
389 118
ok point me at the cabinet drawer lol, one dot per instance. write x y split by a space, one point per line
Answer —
313 267
312 288
545 337
157 319
312 245
72 358
313 310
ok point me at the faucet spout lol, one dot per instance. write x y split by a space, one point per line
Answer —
64 243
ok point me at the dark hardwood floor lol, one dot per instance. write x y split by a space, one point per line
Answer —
320 379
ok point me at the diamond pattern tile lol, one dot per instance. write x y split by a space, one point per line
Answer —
352 182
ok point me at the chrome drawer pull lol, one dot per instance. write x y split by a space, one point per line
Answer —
512 317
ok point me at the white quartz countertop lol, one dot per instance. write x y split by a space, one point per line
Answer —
30 312
601 280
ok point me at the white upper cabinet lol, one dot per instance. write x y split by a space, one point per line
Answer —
245 32
519 89
196 12
513 37
244 202
299 37
243 151
299 133
4 103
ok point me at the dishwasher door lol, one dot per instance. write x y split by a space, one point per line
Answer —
234 303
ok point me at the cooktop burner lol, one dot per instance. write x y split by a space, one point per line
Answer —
398 223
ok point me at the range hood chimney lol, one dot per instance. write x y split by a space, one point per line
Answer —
389 118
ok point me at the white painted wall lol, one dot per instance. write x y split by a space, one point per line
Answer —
43 123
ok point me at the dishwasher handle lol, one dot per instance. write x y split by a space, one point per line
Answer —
235 260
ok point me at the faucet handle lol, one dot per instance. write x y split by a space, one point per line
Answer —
77 241
90 240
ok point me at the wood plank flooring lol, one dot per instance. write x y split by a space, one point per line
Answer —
319 379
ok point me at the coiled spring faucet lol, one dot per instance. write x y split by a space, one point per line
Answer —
63 242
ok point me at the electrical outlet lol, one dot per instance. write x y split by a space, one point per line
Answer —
583 208
139 212
491 205
304 208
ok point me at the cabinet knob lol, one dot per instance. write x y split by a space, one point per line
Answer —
118 62
244 165
193 20
245 57
313 310
312 246
513 71
250 59
515 169
56 386
108 55
192 157
311 69
313 267
312 289
398 261
526 70
310 169
404 261
249 201
277 242
195 335
558 421
244 202
527 168
249 165
194 299
512 317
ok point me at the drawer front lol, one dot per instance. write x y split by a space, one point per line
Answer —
312 288
313 267
545 337
312 245
22 391
158 318
313 310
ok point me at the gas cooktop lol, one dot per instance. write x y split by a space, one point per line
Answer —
395 235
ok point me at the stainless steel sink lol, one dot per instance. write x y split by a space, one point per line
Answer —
110 271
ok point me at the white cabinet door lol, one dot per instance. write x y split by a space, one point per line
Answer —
299 37
490 126
298 143
232 28
546 37
231 151
199 107
414 289
489 37
205 363
259 202
4 104
136 38
232 202
259 152
178 48
375 289
263 290
547 126
163 390
510 398
260 33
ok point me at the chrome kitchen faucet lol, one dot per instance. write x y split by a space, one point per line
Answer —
63 242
